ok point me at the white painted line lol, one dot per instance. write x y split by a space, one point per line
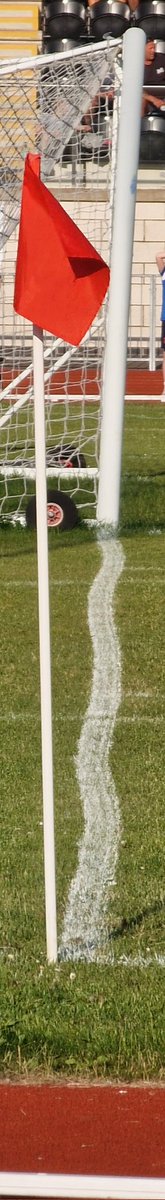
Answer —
152 582
142 720
74 583
144 396
129 571
71 718
149 959
80 1187
143 695
85 922
29 583
9 584
142 961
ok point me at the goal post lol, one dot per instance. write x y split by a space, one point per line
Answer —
120 287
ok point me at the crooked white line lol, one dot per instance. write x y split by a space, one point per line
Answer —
84 932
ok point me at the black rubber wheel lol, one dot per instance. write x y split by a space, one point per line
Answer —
61 511
151 18
67 455
64 18
109 17
152 141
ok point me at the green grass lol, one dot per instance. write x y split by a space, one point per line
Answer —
86 1019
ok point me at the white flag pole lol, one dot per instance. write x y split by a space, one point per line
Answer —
44 642
120 281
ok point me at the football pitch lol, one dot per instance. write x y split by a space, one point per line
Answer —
99 1012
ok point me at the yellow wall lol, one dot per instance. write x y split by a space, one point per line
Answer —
19 28
19 38
16 49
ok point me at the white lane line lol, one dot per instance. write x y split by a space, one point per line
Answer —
146 695
30 583
152 583
71 718
140 960
131 570
79 1187
128 573
84 930
148 959
142 720
75 718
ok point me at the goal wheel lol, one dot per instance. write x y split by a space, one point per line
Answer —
61 511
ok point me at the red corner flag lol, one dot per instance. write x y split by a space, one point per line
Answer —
60 279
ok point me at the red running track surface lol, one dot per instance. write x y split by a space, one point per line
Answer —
95 1129
146 383
138 382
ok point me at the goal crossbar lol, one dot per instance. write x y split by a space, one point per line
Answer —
39 61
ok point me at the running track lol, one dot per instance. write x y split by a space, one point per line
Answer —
83 1129
138 383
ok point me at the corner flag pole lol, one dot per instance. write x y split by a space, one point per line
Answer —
120 280
44 643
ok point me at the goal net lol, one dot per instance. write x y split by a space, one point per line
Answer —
66 108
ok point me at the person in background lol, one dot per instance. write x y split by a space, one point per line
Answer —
95 128
154 74
160 260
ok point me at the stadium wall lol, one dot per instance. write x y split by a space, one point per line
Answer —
88 208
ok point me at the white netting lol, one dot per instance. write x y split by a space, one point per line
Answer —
66 108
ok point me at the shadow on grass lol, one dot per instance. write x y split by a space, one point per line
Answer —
17 541
129 924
